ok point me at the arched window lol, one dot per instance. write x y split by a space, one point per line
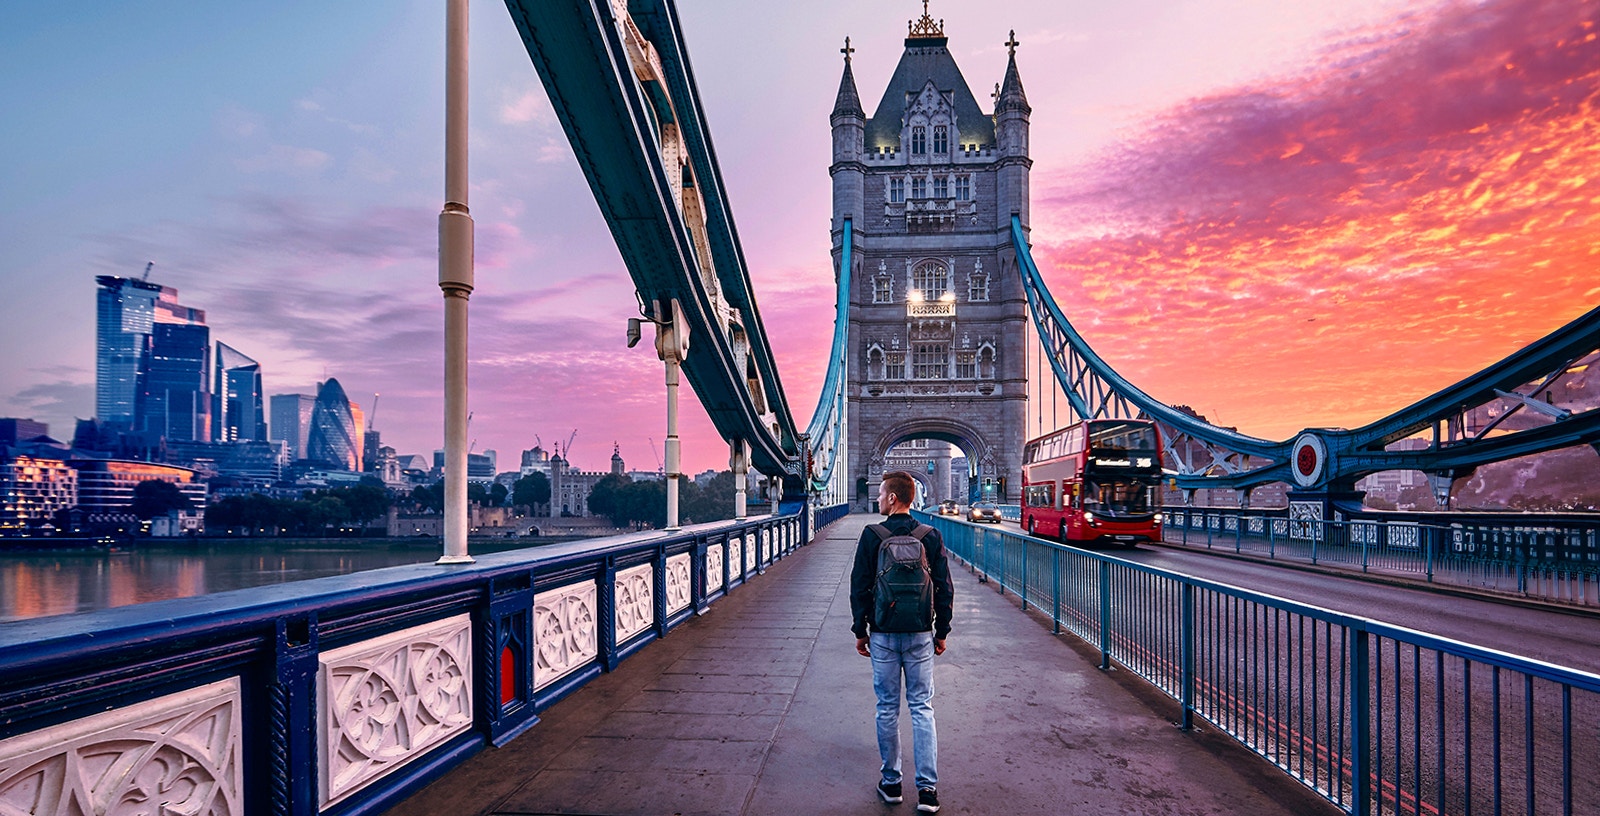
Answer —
931 279
941 140
919 140
883 288
986 362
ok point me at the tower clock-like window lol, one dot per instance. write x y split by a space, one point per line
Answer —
931 279
941 140
897 190
919 140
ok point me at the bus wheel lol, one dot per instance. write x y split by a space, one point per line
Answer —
1033 526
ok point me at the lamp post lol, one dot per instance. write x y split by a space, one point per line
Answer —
455 279
672 346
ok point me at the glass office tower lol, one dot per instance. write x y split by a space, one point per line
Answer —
335 440
127 309
291 422
237 415
176 394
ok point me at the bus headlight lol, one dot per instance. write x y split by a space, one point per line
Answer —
1160 519
1089 517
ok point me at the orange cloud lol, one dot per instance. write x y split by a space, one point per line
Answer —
1326 248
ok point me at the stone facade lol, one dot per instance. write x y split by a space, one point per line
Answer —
938 319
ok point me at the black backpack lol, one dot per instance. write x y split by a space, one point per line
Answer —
902 594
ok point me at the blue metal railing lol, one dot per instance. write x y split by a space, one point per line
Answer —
1378 719
343 695
1554 559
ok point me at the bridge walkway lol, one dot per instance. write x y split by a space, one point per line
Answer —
762 706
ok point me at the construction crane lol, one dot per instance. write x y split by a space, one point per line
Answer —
569 443
469 431
660 468
373 414
147 266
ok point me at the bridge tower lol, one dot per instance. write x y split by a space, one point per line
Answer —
938 319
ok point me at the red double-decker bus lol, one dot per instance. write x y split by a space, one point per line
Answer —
1094 482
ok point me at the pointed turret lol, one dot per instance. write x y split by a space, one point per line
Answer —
849 132
1011 113
848 103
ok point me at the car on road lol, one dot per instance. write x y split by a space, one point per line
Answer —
984 511
948 507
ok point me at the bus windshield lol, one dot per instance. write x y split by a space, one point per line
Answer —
1117 497
1114 435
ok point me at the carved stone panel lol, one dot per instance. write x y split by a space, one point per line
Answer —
635 596
386 701
736 556
679 589
180 753
713 567
564 634
750 554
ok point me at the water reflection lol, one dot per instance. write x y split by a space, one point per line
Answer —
34 585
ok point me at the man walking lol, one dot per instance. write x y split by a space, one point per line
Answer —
903 594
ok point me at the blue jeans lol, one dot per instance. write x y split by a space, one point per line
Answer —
910 654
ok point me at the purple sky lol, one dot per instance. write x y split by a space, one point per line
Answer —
1222 189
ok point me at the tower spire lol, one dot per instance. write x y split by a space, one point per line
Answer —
924 28
848 102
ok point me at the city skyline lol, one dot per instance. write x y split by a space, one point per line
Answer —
1404 180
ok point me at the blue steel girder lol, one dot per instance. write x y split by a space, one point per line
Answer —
620 84
823 434
1210 456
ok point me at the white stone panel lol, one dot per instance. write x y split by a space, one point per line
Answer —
177 754
635 601
680 591
713 567
386 701
564 633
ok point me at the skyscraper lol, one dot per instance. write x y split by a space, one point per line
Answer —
126 311
238 414
291 422
175 395
335 440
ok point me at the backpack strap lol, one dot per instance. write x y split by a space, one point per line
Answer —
919 532
881 532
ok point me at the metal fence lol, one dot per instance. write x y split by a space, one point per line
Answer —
1378 719
343 695
1548 560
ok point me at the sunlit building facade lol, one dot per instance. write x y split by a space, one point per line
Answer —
33 489
335 440
106 485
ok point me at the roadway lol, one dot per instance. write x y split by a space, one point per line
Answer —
1566 638
762 706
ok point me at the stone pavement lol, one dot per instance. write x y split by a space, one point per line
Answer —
762 706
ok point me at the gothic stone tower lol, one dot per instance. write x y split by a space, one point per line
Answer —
938 319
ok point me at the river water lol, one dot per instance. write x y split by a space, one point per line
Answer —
36 584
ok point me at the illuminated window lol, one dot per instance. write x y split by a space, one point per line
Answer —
896 368
941 140
919 140
931 279
928 361
966 365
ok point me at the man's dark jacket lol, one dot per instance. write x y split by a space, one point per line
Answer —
864 575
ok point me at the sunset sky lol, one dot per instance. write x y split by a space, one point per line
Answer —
1285 215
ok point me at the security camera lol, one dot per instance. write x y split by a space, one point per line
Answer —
634 332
